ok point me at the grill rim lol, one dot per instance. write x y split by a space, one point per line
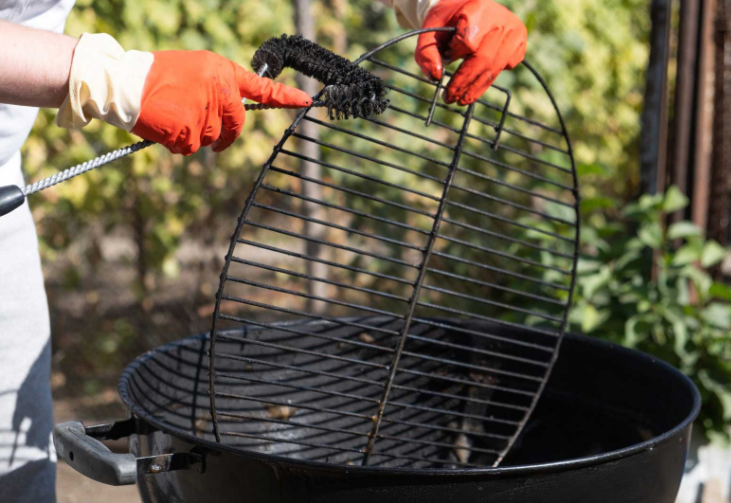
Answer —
557 466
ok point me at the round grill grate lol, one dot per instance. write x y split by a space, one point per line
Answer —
399 285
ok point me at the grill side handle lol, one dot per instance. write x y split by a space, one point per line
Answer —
82 449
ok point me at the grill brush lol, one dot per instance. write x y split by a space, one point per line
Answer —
350 91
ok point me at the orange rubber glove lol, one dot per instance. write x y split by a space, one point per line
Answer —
488 36
180 99
192 99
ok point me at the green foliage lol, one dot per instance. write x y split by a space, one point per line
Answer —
593 53
594 68
678 314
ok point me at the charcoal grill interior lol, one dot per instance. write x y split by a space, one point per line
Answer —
427 274
608 409
336 423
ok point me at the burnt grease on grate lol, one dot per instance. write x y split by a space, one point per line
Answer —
427 283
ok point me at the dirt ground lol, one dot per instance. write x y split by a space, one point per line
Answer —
72 487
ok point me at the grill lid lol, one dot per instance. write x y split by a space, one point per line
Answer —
425 258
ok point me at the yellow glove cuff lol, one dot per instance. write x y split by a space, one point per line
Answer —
106 83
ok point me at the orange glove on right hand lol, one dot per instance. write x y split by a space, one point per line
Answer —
488 36
192 99
180 99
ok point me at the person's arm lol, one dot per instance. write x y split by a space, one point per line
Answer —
181 99
34 66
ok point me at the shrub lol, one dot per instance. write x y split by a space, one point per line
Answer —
649 287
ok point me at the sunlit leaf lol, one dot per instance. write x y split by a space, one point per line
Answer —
674 200
718 314
594 282
590 319
632 336
686 254
712 254
651 235
721 291
683 229
590 204
591 169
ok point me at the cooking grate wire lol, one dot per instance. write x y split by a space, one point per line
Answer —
446 255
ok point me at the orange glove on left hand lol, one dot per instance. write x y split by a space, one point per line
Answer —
488 36
180 99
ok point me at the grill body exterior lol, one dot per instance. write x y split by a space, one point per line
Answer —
612 426
651 476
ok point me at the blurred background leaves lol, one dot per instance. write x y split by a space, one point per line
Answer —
678 314
133 251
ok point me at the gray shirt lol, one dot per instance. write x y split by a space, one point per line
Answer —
27 458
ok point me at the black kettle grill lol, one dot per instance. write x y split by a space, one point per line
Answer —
619 433
385 330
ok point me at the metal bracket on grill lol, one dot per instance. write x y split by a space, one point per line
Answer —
119 429
151 465
83 450
499 128
440 85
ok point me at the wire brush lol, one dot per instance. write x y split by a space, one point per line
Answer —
350 91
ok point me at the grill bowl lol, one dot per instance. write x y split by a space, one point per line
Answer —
613 425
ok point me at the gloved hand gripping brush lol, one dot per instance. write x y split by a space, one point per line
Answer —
350 91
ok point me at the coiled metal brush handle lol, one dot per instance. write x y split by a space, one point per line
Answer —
262 106
79 169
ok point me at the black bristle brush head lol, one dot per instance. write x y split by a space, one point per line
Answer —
350 91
